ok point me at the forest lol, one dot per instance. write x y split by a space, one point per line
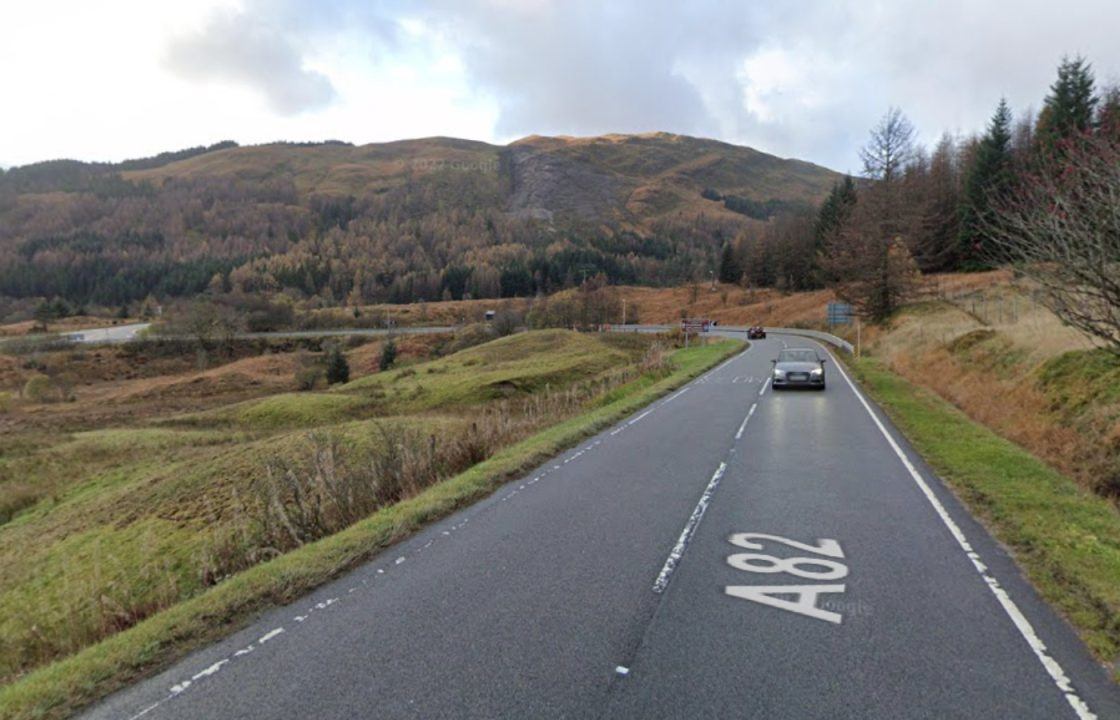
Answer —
427 220
1036 191
330 224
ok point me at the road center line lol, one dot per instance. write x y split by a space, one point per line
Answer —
739 434
662 580
1057 674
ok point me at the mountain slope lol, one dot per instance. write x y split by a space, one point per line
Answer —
399 221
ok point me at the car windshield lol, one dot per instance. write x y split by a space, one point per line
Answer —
798 356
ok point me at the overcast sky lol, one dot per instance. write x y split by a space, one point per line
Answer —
115 79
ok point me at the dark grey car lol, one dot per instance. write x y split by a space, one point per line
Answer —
798 367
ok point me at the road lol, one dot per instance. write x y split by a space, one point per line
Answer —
127 333
626 579
107 335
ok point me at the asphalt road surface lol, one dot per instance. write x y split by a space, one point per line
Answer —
727 552
107 335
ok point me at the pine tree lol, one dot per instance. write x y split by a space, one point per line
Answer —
1068 110
835 210
388 355
338 369
988 178
729 270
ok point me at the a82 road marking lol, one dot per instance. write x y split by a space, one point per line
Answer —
823 566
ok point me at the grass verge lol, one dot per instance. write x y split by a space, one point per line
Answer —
59 689
1066 539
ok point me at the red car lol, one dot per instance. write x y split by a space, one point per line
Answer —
756 333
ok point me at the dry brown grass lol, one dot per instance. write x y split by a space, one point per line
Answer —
983 353
729 304
440 313
410 348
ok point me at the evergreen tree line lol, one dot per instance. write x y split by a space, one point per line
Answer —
916 211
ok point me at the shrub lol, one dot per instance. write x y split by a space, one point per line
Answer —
5 402
38 388
63 384
308 377
507 322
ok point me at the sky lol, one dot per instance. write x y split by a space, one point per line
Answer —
117 79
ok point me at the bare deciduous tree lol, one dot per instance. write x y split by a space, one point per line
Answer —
1061 228
890 148
868 261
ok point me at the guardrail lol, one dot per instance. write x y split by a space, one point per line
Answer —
721 329
816 335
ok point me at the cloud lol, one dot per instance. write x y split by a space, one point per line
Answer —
576 67
803 79
245 49
800 79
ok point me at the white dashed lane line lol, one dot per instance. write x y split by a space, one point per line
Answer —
743 427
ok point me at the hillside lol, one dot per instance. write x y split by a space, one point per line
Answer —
389 222
142 494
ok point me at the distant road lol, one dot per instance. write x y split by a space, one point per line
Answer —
363 332
107 335
128 333
727 551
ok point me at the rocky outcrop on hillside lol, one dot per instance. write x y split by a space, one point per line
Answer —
544 184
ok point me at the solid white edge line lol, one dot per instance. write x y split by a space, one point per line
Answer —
677 552
1057 674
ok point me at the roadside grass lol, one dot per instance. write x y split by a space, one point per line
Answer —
1078 380
1066 538
516 365
54 470
61 687
209 480
1011 365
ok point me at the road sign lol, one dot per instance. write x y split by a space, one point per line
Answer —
695 325
839 313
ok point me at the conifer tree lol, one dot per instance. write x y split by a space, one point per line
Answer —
988 178
835 210
1069 108
338 369
729 270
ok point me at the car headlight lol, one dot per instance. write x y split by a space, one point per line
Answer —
779 373
817 372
